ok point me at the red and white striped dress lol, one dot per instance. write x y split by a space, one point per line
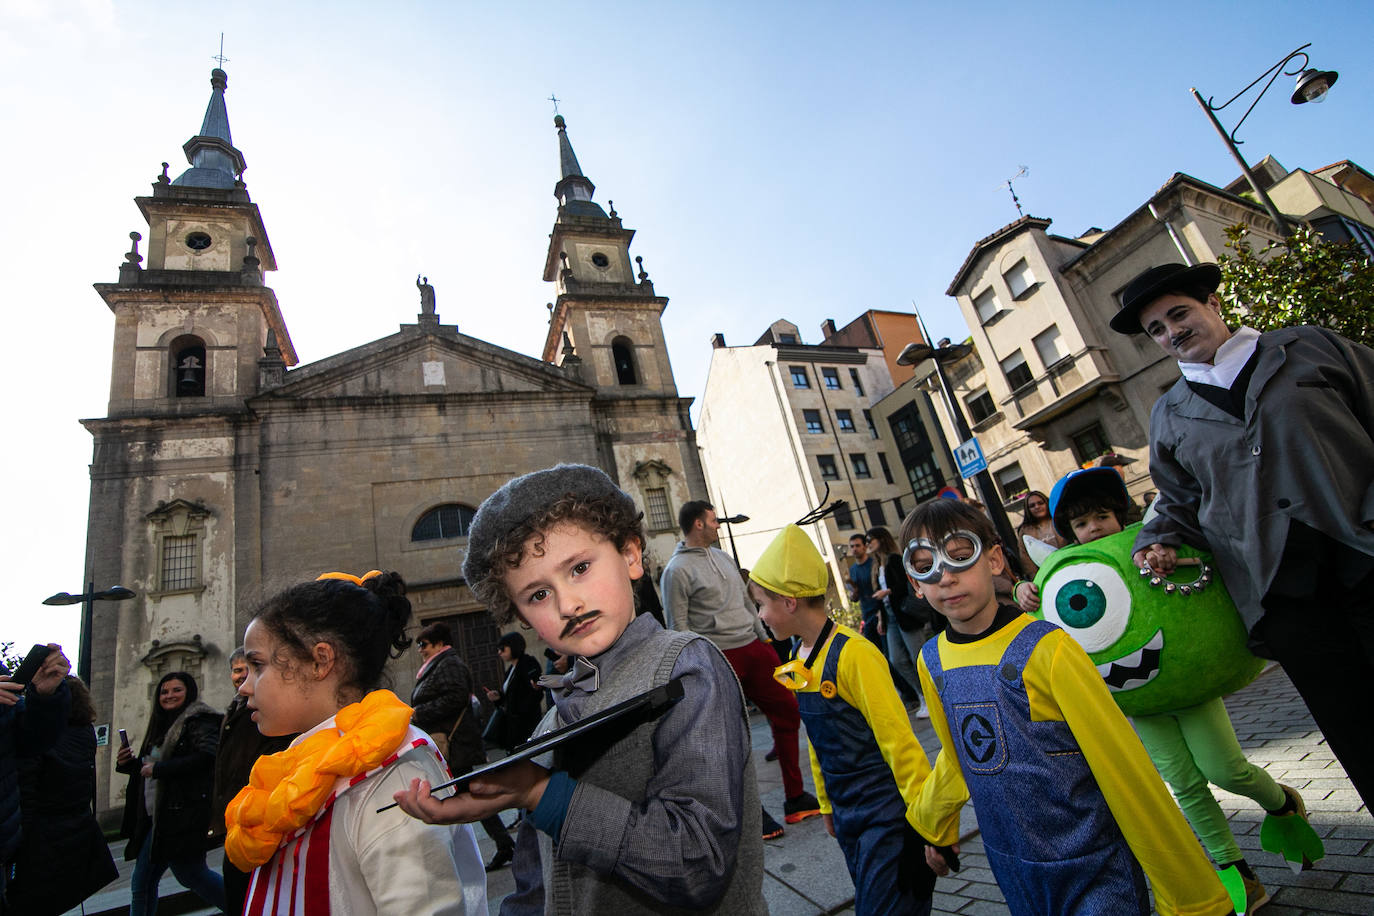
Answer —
352 861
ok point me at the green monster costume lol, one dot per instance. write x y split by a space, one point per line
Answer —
1169 650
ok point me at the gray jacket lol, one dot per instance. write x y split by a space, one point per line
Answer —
704 592
1305 453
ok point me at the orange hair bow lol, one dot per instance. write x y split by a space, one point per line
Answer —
349 577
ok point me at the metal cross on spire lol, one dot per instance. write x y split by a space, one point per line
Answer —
220 56
555 99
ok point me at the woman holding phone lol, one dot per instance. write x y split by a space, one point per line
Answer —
167 807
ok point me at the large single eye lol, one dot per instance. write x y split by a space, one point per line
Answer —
1090 601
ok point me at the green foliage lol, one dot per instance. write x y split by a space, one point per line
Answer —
1303 280
8 657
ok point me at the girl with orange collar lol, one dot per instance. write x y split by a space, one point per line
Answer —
307 822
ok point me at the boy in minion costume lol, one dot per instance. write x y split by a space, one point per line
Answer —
867 764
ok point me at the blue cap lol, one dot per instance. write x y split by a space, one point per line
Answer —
1104 482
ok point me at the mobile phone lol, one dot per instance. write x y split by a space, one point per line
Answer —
31 663
123 738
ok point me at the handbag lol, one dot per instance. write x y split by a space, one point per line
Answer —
441 742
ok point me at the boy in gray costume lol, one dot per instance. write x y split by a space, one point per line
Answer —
665 816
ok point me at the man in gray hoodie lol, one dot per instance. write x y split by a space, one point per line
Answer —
704 592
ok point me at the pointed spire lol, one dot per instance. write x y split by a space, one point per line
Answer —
215 161
574 190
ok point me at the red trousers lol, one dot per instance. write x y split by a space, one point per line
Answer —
754 664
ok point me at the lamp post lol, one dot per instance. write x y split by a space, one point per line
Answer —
917 352
732 520
87 602
1312 86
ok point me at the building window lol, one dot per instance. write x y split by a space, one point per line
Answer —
656 499
1017 372
1049 343
872 430
1020 280
854 380
907 430
787 338
874 508
980 405
897 508
179 563
799 377
924 478
443 522
859 463
882 463
829 470
1011 482
813 421
843 517
187 362
1090 443
845 421
622 352
179 531
986 305
832 378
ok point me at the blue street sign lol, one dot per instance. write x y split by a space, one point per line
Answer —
969 455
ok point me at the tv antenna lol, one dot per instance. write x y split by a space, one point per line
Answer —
1021 172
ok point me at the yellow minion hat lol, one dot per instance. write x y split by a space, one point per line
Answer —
791 566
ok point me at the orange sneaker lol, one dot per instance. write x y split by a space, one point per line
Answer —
795 810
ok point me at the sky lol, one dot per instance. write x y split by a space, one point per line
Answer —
806 160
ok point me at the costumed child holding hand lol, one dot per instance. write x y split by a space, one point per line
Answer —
1193 654
307 822
867 763
1070 807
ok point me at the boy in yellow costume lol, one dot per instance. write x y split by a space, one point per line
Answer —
1070 807
866 762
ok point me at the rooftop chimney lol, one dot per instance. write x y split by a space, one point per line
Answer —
717 341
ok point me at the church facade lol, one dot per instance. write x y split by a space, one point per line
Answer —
225 470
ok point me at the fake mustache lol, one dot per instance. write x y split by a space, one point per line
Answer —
578 621
1175 341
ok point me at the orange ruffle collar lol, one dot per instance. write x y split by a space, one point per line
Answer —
286 790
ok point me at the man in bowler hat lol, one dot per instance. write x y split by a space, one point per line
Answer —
1263 454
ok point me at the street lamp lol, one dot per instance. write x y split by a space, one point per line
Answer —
87 602
732 520
1311 87
918 352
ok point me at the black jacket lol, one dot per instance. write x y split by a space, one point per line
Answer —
63 858
31 727
186 777
441 695
240 746
522 703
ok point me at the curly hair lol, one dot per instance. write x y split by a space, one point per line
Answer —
365 625
613 517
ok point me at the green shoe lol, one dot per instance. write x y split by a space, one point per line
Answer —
1247 893
1291 836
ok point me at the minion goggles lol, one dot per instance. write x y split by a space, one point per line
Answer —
926 561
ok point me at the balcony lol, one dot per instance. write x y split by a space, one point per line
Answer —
1063 386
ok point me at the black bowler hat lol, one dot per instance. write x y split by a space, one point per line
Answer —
1156 282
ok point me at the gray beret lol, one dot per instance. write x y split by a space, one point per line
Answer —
523 498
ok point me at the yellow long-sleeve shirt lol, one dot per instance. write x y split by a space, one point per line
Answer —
865 682
1063 685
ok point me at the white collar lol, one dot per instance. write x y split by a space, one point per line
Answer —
1226 364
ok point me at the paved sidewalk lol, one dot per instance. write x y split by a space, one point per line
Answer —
805 874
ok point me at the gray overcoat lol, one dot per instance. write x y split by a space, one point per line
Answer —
1304 452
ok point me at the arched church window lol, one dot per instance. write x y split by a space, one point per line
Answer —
450 520
188 369
622 354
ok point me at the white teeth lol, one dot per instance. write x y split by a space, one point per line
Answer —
1133 660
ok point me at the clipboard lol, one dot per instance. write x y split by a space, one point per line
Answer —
653 702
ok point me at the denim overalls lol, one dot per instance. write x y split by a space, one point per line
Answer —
886 857
1050 838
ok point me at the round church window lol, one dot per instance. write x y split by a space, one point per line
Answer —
198 241
600 260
